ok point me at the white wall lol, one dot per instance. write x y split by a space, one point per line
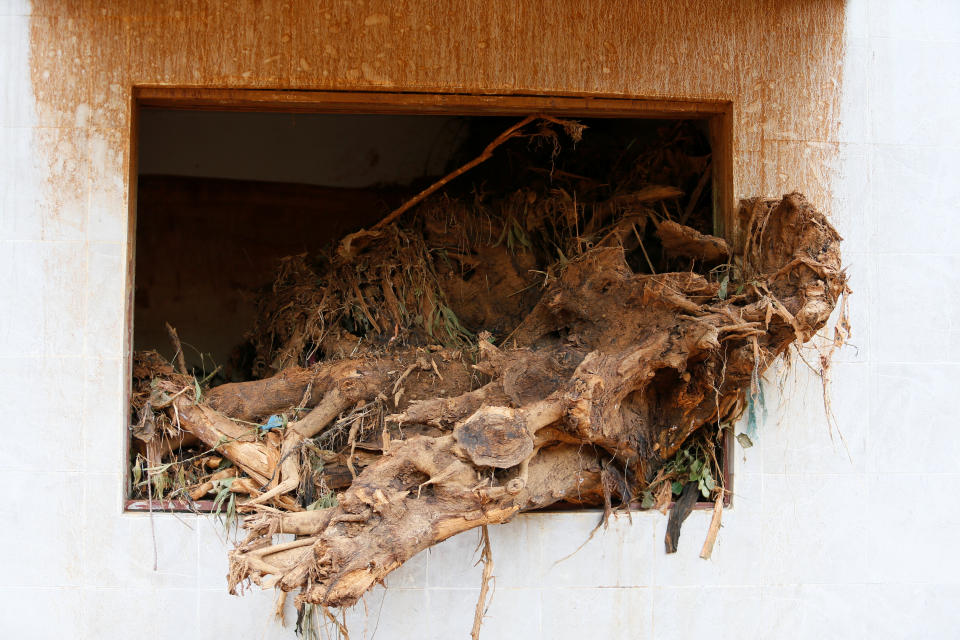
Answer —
823 541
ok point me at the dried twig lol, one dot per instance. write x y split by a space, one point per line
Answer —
278 607
644 249
714 529
483 157
175 339
153 530
341 628
486 557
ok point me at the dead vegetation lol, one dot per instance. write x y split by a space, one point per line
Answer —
534 336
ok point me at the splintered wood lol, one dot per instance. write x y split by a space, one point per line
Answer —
485 354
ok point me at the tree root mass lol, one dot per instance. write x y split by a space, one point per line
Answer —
485 355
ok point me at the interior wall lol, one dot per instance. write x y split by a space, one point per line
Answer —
207 247
851 105
338 150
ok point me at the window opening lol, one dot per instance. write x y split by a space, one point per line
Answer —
237 211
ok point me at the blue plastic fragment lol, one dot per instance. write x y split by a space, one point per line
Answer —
273 422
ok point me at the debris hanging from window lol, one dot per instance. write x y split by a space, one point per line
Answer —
566 337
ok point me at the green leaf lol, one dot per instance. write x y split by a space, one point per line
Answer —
521 236
160 484
677 487
695 469
722 291
160 468
223 492
325 501
231 510
706 484
647 501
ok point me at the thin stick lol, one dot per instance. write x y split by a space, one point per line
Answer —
175 339
210 375
352 441
486 557
153 531
278 608
344 632
644 249
487 152
714 529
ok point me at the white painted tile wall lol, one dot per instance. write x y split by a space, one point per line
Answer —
825 539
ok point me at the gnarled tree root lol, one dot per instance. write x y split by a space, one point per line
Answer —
419 494
604 381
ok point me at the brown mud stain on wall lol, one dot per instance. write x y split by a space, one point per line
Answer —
777 62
